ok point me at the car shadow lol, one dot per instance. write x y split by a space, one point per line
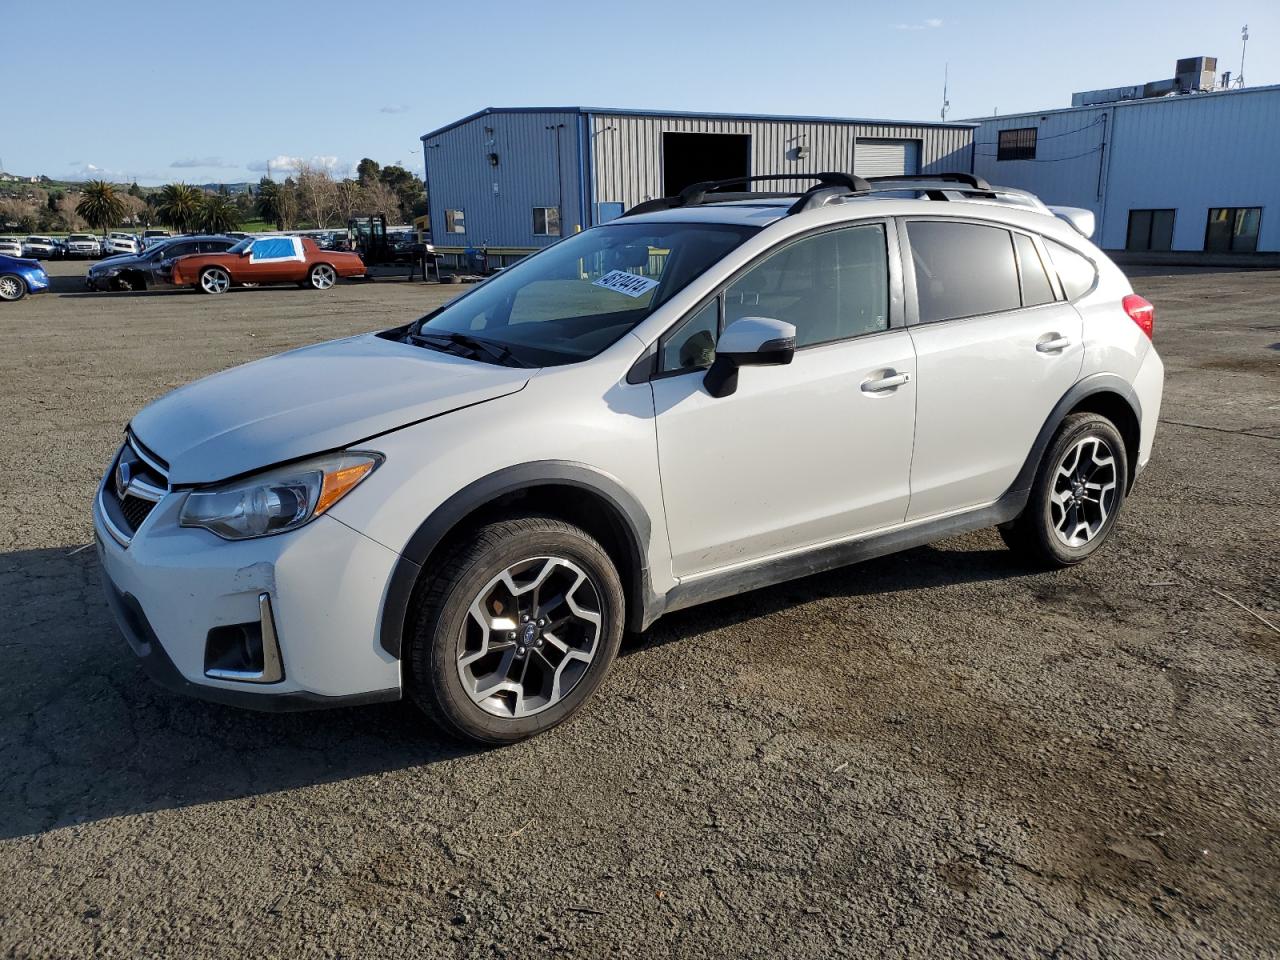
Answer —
84 735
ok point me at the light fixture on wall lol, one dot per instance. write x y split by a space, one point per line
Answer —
493 159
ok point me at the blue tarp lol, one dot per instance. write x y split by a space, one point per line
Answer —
273 248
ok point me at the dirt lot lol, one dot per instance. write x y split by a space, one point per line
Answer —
934 754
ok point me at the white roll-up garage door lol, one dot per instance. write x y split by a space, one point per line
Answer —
886 158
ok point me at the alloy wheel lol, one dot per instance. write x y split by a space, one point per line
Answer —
10 288
1084 491
323 277
215 281
529 637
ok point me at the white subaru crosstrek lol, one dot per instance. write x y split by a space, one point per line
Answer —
711 394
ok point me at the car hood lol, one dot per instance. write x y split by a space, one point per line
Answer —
308 401
119 260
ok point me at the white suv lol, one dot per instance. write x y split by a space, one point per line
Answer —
714 393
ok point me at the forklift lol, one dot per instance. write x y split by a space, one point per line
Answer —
367 236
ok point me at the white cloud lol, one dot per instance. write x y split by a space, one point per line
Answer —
91 171
932 23
285 164
395 108
197 162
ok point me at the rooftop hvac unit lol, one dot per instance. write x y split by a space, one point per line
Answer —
1195 73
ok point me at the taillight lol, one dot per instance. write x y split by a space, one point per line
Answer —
1141 312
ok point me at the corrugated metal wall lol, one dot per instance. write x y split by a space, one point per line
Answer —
1186 153
499 201
625 163
626 149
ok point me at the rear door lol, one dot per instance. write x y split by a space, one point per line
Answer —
996 348
813 451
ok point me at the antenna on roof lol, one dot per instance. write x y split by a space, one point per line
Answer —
946 104
1244 44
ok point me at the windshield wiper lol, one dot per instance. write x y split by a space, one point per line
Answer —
475 345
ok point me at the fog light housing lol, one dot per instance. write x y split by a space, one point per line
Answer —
245 652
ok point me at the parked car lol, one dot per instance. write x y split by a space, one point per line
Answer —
84 245
40 248
270 259
712 393
11 247
150 237
20 276
122 243
152 267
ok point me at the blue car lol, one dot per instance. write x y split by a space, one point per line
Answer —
19 276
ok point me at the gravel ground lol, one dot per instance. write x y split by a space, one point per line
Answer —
933 754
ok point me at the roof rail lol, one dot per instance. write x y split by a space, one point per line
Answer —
915 179
829 184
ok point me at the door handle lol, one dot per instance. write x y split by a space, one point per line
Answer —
890 382
1054 344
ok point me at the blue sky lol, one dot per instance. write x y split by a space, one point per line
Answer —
213 91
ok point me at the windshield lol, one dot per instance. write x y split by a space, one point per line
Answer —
583 294
242 246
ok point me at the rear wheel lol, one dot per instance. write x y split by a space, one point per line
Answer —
322 277
1077 495
12 287
515 630
215 280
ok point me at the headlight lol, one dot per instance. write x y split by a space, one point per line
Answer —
278 500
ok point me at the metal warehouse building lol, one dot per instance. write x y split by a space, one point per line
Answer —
1197 171
515 179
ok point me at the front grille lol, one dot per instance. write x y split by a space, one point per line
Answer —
135 510
146 481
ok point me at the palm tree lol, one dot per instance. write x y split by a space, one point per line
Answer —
100 205
218 214
268 200
179 206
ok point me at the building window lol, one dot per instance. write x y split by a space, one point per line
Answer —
546 221
455 221
1232 229
1017 144
1150 230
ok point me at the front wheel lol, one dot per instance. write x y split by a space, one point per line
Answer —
515 630
12 287
215 280
1077 495
322 277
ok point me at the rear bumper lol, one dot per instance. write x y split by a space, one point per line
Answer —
1149 386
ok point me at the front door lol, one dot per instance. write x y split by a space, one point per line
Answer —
801 454
996 349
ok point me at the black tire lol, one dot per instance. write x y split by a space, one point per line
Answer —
441 616
1034 533
214 280
321 277
12 287
129 282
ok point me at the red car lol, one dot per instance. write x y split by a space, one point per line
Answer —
260 260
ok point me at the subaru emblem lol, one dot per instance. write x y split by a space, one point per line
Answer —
124 476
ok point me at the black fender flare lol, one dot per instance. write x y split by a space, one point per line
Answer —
1090 385
634 519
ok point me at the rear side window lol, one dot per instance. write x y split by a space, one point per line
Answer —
1076 272
1036 288
962 269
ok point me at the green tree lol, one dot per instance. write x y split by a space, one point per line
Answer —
100 205
367 170
179 206
135 190
218 214
268 200
409 190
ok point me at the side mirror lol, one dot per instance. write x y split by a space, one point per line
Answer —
246 251
749 342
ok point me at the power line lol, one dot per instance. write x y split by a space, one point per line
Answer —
1074 156
1052 136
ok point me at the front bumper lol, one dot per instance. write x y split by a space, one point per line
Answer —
171 588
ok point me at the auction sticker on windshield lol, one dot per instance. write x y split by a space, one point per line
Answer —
630 284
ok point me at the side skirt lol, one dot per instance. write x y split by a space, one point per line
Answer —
766 573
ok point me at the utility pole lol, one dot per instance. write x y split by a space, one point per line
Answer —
946 104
